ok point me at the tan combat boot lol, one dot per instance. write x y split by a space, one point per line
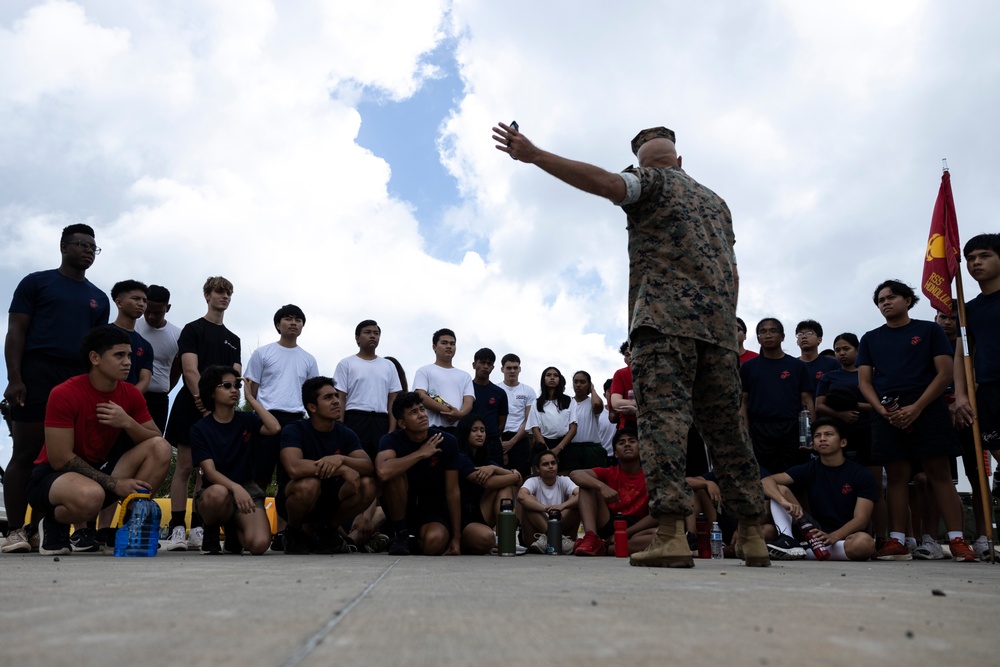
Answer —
751 546
669 547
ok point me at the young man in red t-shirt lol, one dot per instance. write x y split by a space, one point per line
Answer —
73 478
605 492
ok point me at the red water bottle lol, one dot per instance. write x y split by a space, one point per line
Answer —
704 539
808 530
621 537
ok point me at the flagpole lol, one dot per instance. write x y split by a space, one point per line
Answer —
970 388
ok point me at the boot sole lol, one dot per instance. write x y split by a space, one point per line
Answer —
756 561
665 561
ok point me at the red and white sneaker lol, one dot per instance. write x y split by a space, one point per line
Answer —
591 545
961 551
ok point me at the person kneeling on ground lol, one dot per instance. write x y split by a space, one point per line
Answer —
73 479
841 495
619 489
547 492
483 484
223 445
330 474
418 468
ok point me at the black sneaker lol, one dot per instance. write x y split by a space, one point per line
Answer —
53 537
278 541
84 541
232 545
210 544
784 547
400 544
106 538
295 542
327 540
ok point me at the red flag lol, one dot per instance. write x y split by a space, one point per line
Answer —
942 257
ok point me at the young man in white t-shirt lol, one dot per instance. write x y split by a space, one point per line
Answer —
367 385
276 372
163 336
446 391
516 439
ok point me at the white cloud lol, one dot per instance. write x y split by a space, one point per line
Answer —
221 138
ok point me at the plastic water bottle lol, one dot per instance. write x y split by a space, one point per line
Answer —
805 429
555 533
140 529
621 537
716 541
506 529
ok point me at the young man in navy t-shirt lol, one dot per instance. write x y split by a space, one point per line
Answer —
808 336
331 478
49 315
982 256
907 364
775 387
418 467
841 495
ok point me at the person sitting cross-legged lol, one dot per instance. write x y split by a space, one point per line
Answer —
542 495
841 495
605 492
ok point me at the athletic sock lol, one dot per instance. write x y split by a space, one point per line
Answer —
196 520
952 534
177 519
837 551
899 537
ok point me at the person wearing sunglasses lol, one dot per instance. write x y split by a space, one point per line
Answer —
223 445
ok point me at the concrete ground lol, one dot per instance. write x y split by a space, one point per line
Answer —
359 609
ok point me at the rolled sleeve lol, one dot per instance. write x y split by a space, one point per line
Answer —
633 188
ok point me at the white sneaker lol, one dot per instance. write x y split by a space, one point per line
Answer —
982 549
567 545
929 551
195 539
17 541
177 540
540 545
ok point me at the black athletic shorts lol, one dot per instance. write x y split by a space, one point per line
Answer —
41 373
40 483
930 436
369 427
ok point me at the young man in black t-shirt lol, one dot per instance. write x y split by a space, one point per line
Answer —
908 364
330 475
490 402
982 256
222 445
203 343
841 495
418 468
808 336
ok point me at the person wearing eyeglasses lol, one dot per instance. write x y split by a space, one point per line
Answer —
222 445
49 315
808 336
203 343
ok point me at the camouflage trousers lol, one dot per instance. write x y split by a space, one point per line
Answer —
677 382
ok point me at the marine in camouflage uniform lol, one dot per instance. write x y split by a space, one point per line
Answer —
682 300
682 297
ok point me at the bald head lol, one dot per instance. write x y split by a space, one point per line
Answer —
659 152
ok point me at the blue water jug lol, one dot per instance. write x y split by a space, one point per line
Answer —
139 534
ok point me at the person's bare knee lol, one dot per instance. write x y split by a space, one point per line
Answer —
433 539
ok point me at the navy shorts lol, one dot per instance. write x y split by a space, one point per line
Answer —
930 436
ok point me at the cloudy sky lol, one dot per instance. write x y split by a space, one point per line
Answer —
338 156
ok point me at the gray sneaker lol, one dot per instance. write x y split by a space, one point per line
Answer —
16 542
929 551
540 545
195 539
